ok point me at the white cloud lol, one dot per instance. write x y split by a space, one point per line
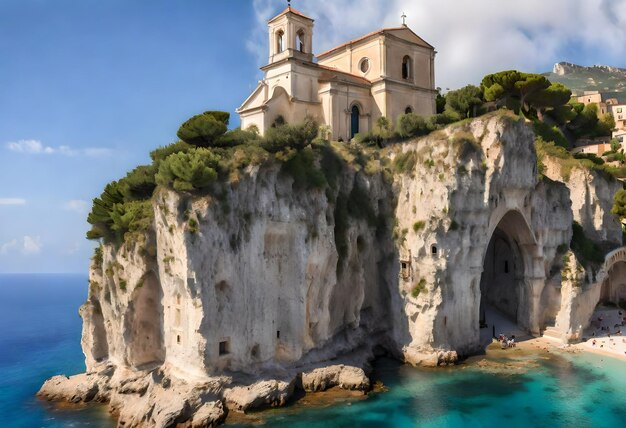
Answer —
12 201
472 38
36 147
77 205
28 245
7 246
32 245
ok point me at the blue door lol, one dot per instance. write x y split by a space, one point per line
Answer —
355 121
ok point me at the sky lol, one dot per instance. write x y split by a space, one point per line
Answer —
88 88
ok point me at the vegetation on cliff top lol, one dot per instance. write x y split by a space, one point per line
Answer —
208 155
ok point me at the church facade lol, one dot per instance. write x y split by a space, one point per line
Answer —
388 72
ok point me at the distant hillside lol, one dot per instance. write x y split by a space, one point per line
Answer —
596 78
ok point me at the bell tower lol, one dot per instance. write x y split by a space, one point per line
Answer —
291 36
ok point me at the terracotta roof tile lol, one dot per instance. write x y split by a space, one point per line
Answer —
356 76
368 35
292 10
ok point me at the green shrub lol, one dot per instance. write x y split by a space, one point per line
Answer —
139 183
550 133
204 129
301 165
193 226
290 136
132 216
369 139
236 137
97 257
163 152
418 225
188 171
411 125
100 215
405 162
586 250
418 288
590 156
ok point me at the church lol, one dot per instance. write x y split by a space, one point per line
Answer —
388 72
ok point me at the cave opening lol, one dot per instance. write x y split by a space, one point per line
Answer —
504 283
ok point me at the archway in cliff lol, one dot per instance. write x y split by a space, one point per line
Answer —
614 285
506 304
144 323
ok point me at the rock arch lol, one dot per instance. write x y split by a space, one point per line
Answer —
512 277
613 288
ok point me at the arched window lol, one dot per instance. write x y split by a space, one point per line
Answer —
406 67
354 116
408 110
279 41
300 40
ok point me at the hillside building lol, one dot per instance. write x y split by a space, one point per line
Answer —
388 72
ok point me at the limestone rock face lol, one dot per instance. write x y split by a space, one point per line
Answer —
270 282
268 393
346 377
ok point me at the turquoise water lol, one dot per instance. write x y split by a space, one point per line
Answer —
40 337
585 391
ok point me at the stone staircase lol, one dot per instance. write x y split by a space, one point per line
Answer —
554 334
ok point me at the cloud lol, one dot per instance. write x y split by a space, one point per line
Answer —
12 201
32 245
7 246
473 38
77 205
36 147
28 245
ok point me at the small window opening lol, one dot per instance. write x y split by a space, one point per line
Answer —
280 42
300 40
406 269
224 347
178 314
178 339
178 299
277 334
506 266
433 249
365 65
408 110
406 67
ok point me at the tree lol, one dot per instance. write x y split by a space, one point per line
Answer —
615 145
100 215
527 93
605 126
204 129
290 136
619 205
465 101
139 183
188 171
411 125
440 102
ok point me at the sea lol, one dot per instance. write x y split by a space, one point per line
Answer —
40 337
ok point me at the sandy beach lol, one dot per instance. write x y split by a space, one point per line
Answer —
604 337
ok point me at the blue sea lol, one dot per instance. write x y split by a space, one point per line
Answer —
40 337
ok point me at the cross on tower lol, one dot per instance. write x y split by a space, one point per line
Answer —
403 18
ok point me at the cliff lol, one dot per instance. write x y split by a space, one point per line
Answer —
233 299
